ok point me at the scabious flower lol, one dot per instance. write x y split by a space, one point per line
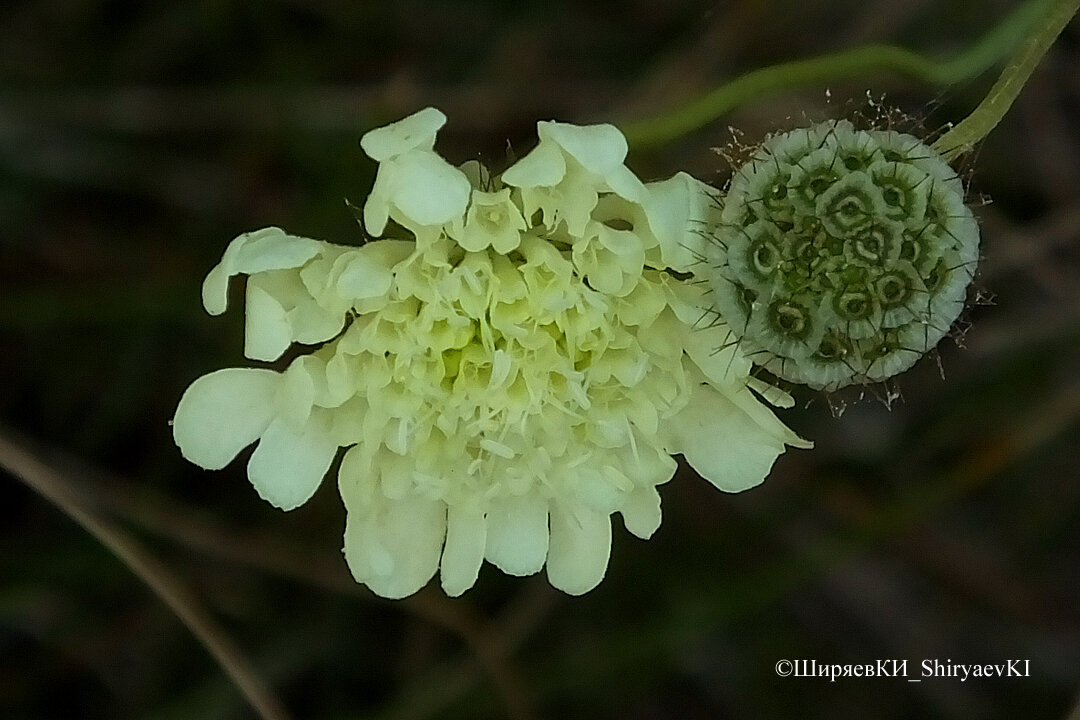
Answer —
503 382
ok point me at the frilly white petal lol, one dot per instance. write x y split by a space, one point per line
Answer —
517 534
763 417
677 209
580 548
624 183
417 189
254 252
689 301
744 457
772 394
357 481
395 549
466 537
416 131
599 148
281 310
298 392
289 463
430 191
267 333
222 413
641 512
715 350
377 206
543 167
368 271
311 323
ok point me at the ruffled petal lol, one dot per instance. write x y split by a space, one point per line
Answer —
416 131
311 323
428 190
368 271
466 537
714 348
222 413
598 148
677 209
770 393
377 206
580 547
543 167
267 333
763 417
744 457
395 549
254 252
357 481
641 512
517 534
624 183
288 465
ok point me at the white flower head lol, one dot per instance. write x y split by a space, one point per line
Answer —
502 385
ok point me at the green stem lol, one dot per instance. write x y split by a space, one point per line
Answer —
997 102
871 60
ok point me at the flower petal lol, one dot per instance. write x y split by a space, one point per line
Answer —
267 333
641 512
744 457
624 183
222 413
599 148
466 537
428 190
580 547
517 534
543 167
416 131
254 252
377 206
395 549
714 348
368 271
677 210
288 465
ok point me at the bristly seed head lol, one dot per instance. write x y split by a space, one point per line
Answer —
842 255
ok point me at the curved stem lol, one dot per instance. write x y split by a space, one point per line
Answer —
997 102
874 59
50 485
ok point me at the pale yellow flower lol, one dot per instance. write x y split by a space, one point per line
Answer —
502 385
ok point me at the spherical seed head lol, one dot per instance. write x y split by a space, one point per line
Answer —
843 255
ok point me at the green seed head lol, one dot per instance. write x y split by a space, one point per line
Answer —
843 255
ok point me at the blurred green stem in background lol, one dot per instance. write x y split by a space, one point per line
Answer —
871 60
997 102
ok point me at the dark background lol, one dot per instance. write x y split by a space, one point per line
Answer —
137 139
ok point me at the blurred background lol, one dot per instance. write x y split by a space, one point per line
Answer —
137 139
